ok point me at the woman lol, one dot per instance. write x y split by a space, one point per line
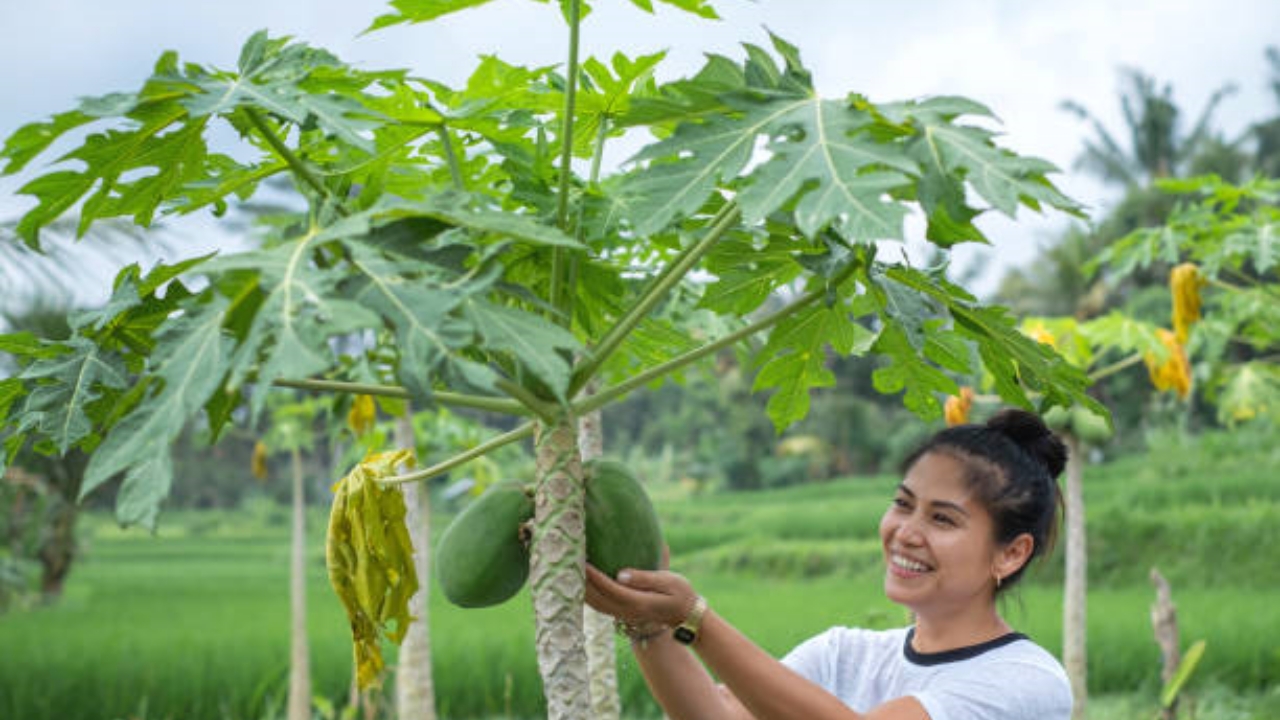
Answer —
976 504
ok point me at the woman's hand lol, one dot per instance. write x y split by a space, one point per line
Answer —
641 598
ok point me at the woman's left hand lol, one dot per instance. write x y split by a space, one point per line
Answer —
641 598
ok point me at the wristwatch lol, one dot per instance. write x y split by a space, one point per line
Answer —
687 631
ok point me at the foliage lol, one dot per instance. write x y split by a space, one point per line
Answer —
1229 232
449 249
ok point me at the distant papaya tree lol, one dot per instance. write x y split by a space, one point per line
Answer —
453 238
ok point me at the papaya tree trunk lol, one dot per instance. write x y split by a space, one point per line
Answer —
602 658
299 707
415 689
556 571
1074 626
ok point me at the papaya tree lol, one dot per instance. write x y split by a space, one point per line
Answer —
1220 245
1100 347
466 247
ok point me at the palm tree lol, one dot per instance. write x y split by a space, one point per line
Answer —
1155 146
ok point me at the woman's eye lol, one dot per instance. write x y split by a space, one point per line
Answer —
944 520
901 504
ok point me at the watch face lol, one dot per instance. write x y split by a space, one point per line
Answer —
684 635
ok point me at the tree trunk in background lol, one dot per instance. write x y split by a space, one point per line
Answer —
299 656
602 657
58 549
415 689
1074 626
556 572
1164 623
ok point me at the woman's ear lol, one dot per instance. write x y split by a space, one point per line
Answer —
1013 555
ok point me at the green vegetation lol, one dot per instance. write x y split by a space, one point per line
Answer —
193 624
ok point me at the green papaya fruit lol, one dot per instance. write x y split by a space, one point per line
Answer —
1058 419
482 558
1090 428
622 526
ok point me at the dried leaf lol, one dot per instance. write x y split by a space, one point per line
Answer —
1174 373
370 560
1185 283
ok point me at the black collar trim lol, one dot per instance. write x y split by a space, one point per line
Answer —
955 654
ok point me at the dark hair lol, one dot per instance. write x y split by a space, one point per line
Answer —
1012 463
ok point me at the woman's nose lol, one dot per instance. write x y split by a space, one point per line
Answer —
908 530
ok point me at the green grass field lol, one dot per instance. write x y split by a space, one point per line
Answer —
193 624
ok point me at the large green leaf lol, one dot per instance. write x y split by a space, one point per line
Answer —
193 360
908 373
418 305
416 11
64 385
168 159
795 358
289 333
541 347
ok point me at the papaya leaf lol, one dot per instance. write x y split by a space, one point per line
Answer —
797 358
272 76
908 372
302 309
747 276
64 385
1250 390
194 357
11 389
32 139
418 11
169 159
1118 331
1001 177
417 304
541 347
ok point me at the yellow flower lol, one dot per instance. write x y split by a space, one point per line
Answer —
258 464
956 409
1175 372
1185 283
361 416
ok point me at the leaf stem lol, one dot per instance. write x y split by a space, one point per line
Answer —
475 402
451 158
558 255
663 283
506 438
1115 367
608 395
299 168
528 400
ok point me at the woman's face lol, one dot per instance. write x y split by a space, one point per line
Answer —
938 541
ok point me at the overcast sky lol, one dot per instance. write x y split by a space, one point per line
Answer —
1019 57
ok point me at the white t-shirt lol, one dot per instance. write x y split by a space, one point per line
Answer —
1009 678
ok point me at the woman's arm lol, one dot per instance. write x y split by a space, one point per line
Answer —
762 687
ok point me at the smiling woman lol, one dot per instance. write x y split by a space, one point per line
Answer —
976 504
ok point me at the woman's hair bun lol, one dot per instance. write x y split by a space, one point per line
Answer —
1029 432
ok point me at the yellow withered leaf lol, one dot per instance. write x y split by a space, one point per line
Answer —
370 559
1175 372
258 463
362 415
1185 283
956 408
